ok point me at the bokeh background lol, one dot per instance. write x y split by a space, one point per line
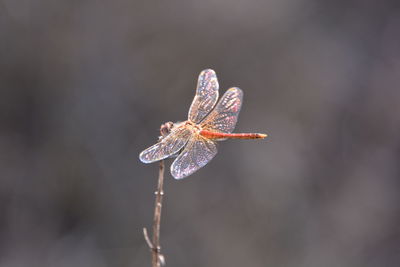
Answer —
84 86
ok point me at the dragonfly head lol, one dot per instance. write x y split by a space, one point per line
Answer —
165 128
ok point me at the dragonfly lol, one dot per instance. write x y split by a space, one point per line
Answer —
193 142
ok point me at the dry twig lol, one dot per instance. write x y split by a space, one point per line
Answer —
157 257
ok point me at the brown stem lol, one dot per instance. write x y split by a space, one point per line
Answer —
157 257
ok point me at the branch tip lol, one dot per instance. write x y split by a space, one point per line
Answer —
147 238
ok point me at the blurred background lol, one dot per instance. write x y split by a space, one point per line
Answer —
85 85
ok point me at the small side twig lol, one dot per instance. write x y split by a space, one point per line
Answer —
154 245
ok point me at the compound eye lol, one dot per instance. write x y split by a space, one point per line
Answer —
165 129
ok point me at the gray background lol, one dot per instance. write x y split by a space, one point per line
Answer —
84 86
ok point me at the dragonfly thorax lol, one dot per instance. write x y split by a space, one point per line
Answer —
193 126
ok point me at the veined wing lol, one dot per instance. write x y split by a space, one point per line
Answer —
167 146
206 96
197 153
224 116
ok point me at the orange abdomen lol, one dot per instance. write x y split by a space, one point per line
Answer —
217 135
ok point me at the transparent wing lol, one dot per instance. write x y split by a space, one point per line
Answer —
197 153
224 116
168 146
206 96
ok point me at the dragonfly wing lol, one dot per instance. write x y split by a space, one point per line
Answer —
224 116
167 146
197 153
206 96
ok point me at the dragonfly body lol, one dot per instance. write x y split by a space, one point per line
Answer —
194 140
217 136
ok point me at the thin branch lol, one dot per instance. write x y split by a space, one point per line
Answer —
157 257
